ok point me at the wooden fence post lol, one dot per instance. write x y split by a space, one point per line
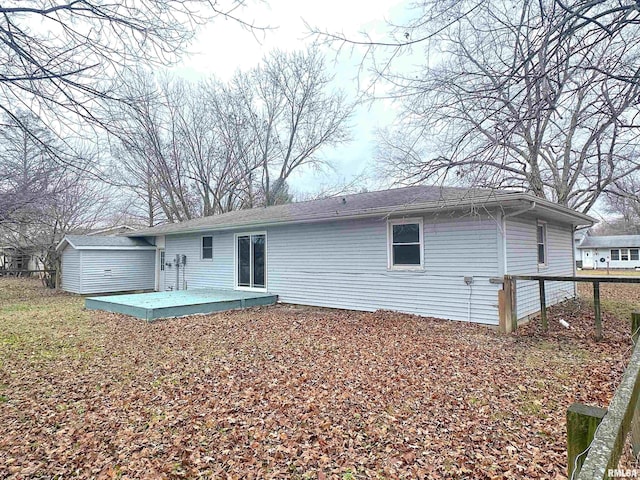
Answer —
543 306
507 306
582 422
596 306
502 311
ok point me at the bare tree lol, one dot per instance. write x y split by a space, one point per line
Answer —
42 199
541 95
505 106
623 201
60 60
149 146
220 148
292 115
598 21
183 147
210 147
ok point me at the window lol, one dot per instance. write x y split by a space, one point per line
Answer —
615 254
624 254
207 248
634 254
542 243
405 244
162 260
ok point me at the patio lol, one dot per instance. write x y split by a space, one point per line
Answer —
152 306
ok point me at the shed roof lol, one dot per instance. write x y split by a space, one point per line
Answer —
396 201
611 241
96 242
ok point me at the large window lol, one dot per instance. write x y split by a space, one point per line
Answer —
406 245
251 260
207 248
542 243
625 254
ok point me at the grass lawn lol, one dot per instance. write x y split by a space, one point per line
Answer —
288 392
620 299
612 272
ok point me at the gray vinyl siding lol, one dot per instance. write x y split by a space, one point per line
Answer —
70 280
343 264
117 270
522 259
104 271
200 273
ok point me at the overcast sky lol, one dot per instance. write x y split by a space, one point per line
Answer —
223 47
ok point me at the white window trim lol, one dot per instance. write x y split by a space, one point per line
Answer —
541 223
404 221
619 250
628 251
202 237
235 262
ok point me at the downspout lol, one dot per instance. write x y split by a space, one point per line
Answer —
504 231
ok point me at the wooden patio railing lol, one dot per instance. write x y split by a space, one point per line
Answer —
508 301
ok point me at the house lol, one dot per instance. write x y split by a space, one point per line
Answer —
18 254
101 264
17 257
610 251
431 251
578 237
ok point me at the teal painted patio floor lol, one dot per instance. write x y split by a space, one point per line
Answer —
151 306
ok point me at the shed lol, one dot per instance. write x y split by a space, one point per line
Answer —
101 264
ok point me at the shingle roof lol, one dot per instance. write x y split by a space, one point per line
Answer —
341 205
391 201
611 241
79 241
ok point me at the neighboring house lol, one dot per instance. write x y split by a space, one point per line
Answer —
611 251
100 264
578 237
19 257
430 251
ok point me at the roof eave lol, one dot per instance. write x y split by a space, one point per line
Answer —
115 247
60 245
580 219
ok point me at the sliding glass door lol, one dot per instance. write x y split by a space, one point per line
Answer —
251 260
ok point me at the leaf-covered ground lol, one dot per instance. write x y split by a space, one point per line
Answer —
289 392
